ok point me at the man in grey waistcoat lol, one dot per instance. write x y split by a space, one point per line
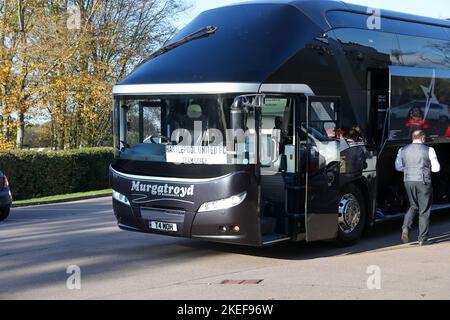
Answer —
417 161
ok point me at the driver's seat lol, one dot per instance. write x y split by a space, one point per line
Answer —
194 113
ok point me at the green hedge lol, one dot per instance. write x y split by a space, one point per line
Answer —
39 174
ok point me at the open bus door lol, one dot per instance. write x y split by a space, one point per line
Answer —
321 164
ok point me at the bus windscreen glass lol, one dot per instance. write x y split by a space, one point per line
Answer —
182 129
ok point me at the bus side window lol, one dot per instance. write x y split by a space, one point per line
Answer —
275 131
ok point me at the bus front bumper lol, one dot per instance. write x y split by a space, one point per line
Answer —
226 226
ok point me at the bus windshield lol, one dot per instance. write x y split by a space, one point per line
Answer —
180 129
196 129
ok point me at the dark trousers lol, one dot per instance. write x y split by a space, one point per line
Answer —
420 197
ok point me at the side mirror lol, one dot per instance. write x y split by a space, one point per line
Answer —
240 107
237 118
249 101
283 163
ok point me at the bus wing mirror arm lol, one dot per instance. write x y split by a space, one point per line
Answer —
283 163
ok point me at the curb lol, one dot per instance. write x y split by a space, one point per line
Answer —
39 203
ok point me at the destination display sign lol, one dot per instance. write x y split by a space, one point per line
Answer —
196 154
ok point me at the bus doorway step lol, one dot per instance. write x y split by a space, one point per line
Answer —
274 239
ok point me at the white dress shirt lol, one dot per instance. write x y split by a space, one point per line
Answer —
435 165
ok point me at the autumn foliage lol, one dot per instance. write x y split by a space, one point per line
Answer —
59 60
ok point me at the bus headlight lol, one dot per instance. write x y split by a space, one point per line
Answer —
120 197
223 203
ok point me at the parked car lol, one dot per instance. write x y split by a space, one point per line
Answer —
5 197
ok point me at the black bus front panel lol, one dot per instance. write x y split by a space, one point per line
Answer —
223 209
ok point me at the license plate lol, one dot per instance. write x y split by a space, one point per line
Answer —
163 226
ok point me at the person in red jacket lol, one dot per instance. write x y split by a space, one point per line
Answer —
416 120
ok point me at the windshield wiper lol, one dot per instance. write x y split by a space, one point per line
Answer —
199 34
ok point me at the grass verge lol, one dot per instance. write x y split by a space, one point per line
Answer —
68 197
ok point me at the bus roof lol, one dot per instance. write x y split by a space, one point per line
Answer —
316 10
250 50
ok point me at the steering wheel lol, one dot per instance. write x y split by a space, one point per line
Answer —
167 140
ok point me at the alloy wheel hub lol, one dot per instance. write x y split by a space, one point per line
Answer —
349 213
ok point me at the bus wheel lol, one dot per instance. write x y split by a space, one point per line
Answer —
352 215
4 213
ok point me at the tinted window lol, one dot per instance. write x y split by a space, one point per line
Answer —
402 50
341 19
252 41
369 42
423 52
420 99
415 29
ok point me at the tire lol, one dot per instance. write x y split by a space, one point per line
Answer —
4 213
352 215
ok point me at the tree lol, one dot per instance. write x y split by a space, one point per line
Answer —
17 78
69 73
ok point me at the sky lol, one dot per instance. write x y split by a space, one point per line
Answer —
431 8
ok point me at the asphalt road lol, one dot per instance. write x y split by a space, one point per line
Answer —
38 244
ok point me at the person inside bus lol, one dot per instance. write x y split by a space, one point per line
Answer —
417 161
355 135
279 134
356 154
416 121
278 123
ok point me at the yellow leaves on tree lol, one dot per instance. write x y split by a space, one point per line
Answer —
68 73
5 146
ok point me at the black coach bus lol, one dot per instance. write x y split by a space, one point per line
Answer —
280 121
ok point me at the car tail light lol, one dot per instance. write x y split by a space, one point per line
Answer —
3 183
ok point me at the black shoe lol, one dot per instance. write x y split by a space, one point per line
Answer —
405 236
425 243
